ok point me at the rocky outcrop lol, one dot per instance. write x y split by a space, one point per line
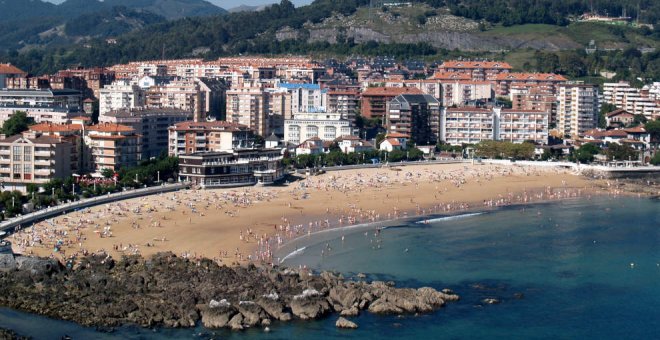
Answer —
345 323
169 291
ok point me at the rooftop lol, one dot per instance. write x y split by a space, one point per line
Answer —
110 127
475 64
214 125
11 69
530 76
390 91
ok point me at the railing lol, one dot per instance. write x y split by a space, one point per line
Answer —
85 203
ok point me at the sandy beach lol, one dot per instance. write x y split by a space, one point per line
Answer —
249 224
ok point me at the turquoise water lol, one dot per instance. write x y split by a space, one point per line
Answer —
571 261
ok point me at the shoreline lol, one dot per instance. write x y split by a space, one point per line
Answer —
253 223
475 211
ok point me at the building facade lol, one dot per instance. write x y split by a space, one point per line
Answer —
230 169
578 108
325 125
151 124
113 146
32 158
195 137
415 115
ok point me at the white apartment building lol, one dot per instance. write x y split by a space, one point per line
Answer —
470 125
54 106
327 126
466 125
578 108
518 126
121 94
633 100
305 97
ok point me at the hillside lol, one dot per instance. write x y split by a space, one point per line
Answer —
26 24
347 27
12 10
439 28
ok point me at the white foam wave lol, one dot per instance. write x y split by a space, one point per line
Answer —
293 254
448 218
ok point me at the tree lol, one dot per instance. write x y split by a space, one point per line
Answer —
18 123
653 128
379 139
107 173
656 159
618 152
585 153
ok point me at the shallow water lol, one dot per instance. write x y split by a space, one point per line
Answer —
571 261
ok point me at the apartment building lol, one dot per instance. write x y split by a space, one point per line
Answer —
113 146
344 102
305 97
327 126
375 99
89 81
471 125
151 124
635 101
467 125
518 126
232 168
535 98
194 137
415 115
578 108
121 94
247 104
32 158
477 70
71 133
548 81
43 105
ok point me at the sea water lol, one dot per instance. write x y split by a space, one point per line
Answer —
570 270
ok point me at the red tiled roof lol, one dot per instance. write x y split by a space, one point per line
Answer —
393 141
390 91
10 69
618 112
396 135
50 127
530 76
637 129
475 64
450 76
110 127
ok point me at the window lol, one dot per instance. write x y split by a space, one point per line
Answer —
17 168
27 168
27 153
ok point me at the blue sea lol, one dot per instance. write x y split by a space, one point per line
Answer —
566 270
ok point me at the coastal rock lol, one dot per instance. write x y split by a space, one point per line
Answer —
7 262
37 266
252 313
353 311
309 307
236 322
218 316
490 301
170 291
274 308
345 323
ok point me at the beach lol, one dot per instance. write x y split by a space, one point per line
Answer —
249 224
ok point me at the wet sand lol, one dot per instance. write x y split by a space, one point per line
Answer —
249 224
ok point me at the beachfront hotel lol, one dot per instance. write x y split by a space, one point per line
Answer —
327 126
232 168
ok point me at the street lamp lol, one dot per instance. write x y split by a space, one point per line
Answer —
158 174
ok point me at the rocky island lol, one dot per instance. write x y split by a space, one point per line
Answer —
169 291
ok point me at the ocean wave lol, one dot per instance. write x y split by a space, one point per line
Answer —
448 218
293 254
